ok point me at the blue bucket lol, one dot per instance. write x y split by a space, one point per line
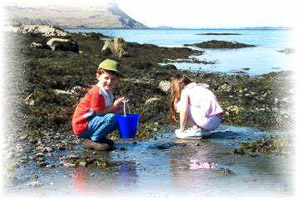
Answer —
128 125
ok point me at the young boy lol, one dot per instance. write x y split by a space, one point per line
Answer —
95 116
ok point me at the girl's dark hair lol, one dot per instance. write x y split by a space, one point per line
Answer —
178 83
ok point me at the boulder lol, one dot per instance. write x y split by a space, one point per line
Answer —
36 45
152 100
44 30
63 44
116 47
106 50
165 86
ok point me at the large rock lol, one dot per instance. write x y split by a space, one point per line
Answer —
116 47
63 44
44 30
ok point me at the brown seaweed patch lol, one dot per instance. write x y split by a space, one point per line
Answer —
217 44
271 144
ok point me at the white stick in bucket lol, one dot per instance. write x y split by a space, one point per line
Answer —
126 104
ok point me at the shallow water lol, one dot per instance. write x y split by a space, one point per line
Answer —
161 167
264 58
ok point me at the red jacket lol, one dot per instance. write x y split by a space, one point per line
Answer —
92 102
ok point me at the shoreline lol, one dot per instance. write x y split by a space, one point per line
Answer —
153 28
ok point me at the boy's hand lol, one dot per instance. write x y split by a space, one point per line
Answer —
118 102
119 110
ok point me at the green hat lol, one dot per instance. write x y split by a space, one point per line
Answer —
111 65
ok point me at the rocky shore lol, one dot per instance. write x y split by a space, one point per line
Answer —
44 86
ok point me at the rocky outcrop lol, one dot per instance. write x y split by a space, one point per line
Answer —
217 44
51 38
46 31
63 44
287 50
116 47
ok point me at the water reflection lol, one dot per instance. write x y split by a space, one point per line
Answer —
197 164
128 176
80 181
119 177
182 176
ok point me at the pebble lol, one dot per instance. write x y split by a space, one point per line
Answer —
39 155
42 164
83 164
47 149
65 164
73 157
50 166
35 184
123 149
24 137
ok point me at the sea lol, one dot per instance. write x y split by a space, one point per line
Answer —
262 59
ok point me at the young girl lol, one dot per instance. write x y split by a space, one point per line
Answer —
197 106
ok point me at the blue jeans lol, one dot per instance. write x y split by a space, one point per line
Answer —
99 126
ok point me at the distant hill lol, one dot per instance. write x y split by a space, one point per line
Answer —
108 16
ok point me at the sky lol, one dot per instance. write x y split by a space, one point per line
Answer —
194 13
210 13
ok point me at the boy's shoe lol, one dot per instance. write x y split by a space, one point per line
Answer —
191 133
96 146
107 141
